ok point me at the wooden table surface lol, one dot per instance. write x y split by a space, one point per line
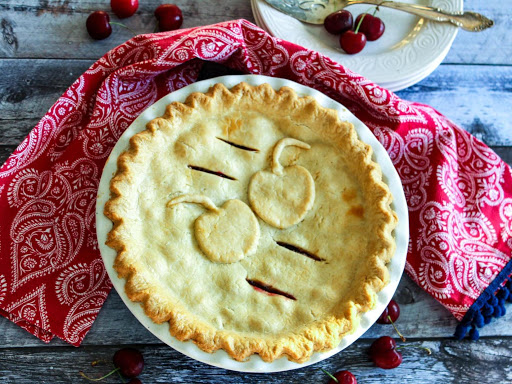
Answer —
44 47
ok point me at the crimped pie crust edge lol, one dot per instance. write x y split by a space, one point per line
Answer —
299 346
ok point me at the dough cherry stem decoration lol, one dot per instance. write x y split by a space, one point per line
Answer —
194 199
277 168
282 196
226 234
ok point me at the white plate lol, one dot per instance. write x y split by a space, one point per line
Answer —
410 49
220 358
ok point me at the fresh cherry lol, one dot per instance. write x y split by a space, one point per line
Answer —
382 344
388 360
352 42
390 314
169 17
371 26
129 361
98 25
343 377
384 354
339 22
124 8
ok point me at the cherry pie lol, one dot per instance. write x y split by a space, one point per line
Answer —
251 220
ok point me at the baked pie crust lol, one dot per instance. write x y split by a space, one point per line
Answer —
252 220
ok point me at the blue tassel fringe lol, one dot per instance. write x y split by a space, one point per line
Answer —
491 303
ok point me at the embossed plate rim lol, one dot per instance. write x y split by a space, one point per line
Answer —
221 358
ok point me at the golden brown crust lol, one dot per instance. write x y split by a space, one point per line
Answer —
365 201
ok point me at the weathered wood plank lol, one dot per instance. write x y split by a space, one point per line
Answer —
478 98
28 88
61 25
491 46
116 325
487 361
61 28
5 151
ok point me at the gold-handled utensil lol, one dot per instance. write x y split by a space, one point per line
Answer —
315 11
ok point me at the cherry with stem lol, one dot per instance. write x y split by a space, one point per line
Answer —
340 377
371 26
128 362
390 315
353 41
385 354
124 8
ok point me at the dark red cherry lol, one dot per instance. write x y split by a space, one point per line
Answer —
124 8
98 25
169 17
388 360
384 354
129 361
382 344
392 310
339 22
135 381
371 26
343 377
352 42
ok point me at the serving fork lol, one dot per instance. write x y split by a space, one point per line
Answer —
315 11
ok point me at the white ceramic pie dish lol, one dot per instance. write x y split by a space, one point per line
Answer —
220 358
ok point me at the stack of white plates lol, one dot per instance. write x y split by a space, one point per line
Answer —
409 50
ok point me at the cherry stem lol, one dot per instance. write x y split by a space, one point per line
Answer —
402 337
96 362
414 346
99 378
122 25
121 377
359 24
377 7
328 374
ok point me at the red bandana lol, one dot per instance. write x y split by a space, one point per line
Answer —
52 280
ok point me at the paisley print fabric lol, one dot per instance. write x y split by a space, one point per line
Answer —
52 280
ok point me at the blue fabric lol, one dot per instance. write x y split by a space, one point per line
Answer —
491 303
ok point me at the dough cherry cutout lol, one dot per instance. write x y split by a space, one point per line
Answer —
226 234
282 196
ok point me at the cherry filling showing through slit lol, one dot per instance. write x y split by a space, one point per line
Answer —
299 250
240 146
267 288
206 170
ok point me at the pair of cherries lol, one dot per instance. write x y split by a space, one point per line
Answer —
99 26
383 351
367 28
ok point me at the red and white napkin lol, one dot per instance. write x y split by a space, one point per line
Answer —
52 280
